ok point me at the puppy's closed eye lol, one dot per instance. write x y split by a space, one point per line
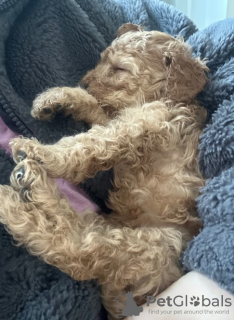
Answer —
116 69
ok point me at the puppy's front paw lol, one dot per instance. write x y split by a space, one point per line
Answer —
47 104
23 148
29 179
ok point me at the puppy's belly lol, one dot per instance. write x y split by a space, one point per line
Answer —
155 199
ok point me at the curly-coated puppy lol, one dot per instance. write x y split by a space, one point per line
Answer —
146 125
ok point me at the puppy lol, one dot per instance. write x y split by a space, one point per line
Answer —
140 101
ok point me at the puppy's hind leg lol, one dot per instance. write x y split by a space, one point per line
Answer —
89 247
38 217
84 247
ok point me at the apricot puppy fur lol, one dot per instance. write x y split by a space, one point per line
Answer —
140 101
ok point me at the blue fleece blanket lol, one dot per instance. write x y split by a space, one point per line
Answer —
54 42
212 252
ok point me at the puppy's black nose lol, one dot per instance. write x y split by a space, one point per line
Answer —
84 86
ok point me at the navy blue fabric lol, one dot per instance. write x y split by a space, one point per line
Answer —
212 252
30 289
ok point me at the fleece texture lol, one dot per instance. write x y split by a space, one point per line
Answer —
48 43
212 252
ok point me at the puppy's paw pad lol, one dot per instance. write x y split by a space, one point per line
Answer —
23 176
23 148
47 110
47 104
21 155
46 113
19 175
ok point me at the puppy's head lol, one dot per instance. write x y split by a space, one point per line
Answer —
145 66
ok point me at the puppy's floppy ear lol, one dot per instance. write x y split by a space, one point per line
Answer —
128 27
186 74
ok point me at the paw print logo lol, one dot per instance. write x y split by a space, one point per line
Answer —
194 301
